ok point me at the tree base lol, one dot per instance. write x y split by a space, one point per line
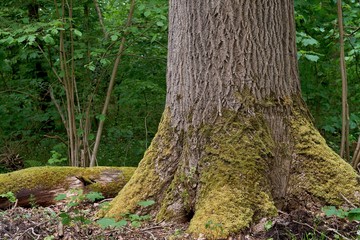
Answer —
224 177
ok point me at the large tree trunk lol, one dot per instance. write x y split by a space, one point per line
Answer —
236 141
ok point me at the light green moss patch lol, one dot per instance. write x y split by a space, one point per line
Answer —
319 170
50 177
234 188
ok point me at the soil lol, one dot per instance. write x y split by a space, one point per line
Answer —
19 223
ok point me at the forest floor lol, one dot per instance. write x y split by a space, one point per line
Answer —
19 223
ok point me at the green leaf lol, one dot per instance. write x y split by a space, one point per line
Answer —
91 136
160 24
106 222
114 37
333 211
54 31
65 218
101 117
309 41
142 7
31 39
60 197
136 224
48 39
134 30
312 58
146 203
121 223
354 214
104 61
93 196
147 13
134 217
25 20
268 225
10 196
21 39
77 33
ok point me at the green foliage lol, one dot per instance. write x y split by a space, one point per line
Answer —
351 215
93 196
318 52
10 196
134 220
26 77
111 223
57 159
268 225
74 198
146 203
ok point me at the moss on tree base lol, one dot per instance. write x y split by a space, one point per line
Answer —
229 187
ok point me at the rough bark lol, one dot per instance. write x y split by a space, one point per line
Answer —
40 185
236 141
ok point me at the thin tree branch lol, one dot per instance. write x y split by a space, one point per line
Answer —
62 116
101 19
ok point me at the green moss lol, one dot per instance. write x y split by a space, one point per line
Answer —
50 177
234 188
111 188
318 169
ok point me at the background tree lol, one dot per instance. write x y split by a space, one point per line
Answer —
34 129
31 127
236 141
318 53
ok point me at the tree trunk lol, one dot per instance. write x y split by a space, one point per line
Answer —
236 141
40 185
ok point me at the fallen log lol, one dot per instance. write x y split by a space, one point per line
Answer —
39 185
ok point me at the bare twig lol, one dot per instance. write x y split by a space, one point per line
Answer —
348 201
152 235
335 231
62 116
307 225
101 20
56 137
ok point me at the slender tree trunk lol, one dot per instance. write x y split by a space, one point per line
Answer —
344 150
236 141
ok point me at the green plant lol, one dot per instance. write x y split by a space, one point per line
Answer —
74 198
268 225
57 159
111 223
32 201
10 196
352 214
134 220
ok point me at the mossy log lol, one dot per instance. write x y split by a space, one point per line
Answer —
40 185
